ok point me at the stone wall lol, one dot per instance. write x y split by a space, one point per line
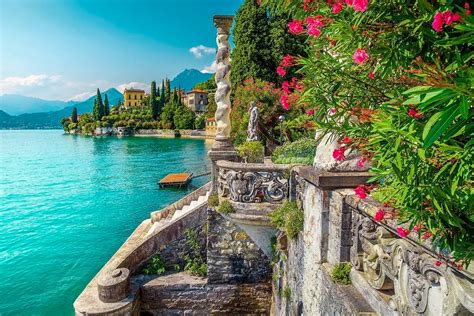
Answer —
232 256
174 252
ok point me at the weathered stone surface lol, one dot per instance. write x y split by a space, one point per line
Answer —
231 255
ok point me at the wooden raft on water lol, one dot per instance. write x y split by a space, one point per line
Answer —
179 179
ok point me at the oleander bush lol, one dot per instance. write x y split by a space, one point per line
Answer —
298 152
251 151
394 80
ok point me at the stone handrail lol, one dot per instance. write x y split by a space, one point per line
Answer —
253 182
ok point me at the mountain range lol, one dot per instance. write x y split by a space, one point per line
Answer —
20 112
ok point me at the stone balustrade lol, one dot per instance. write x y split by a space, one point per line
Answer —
390 275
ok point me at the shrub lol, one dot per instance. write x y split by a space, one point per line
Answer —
340 273
225 207
287 293
252 151
288 217
299 152
194 263
213 200
155 266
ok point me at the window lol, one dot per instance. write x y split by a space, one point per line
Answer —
128 96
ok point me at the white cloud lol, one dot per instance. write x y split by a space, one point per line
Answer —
201 50
134 84
212 68
81 96
16 84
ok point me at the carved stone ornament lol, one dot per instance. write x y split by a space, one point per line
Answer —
419 287
252 186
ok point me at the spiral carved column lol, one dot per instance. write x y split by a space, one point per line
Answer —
222 148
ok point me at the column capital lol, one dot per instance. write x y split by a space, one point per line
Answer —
223 23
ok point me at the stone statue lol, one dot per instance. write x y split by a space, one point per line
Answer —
324 160
223 25
253 122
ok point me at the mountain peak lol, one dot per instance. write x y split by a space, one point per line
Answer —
188 78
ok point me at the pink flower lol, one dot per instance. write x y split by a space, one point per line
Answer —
310 112
415 228
402 232
361 163
426 235
336 8
379 215
338 154
415 114
284 102
287 61
371 75
346 140
438 22
315 20
360 55
450 17
313 30
466 5
360 5
295 27
361 192
437 263
333 110
286 87
281 71
349 2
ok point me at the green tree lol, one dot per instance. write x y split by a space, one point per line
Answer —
209 85
200 122
252 56
168 90
74 115
183 117
98 109
106 106
155 107
167 116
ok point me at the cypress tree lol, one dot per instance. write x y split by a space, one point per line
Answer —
155 108
168 90
252 55
96 111
175 96
74 115
100 106
106 106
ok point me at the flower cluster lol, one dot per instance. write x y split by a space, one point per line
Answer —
357 5
313 25
445 18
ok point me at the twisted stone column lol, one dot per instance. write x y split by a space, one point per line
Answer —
222 148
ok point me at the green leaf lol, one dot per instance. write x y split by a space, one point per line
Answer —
464 107
444 122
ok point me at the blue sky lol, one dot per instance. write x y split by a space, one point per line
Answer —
64 49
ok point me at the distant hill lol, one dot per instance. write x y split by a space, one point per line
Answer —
52 119
188 79
17 104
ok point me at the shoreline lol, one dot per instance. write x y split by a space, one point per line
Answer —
123 132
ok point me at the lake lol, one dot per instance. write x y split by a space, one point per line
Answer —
68 202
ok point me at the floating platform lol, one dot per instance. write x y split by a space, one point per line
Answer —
176 180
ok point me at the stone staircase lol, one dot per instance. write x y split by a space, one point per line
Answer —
170 216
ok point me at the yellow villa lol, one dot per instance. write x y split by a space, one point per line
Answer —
133 97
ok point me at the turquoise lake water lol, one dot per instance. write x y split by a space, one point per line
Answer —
68 202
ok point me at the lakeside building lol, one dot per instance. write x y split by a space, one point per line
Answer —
133 97
197 100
